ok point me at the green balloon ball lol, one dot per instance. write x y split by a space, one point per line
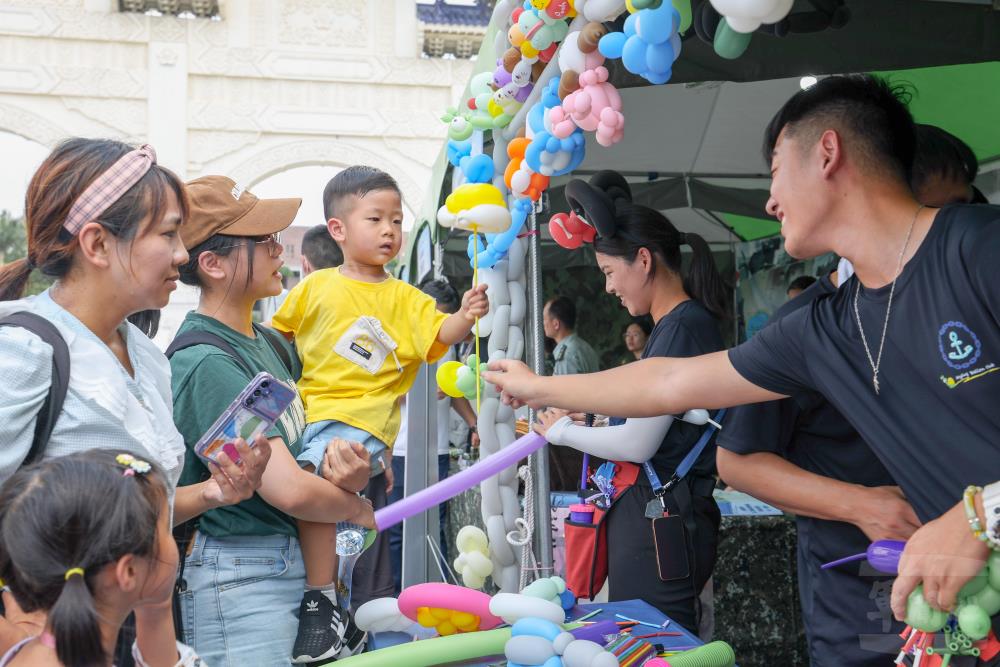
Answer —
987 599
974 585
993 564
728 43
974 621
922 616
683 8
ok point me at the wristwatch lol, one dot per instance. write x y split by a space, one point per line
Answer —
991 512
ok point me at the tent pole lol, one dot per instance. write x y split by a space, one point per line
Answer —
539 460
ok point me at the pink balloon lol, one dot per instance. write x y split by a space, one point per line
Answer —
448 488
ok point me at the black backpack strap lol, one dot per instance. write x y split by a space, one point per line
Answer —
277 342
192 338
52 407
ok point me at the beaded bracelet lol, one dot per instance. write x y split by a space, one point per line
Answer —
975 525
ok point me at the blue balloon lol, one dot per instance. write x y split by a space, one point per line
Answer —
647 49
458 150
634 55
656 25
478 169
611 44
630 24
659 57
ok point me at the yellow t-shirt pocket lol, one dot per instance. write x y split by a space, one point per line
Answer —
366 344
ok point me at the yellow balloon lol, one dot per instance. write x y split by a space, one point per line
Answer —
447 374
494 109
528 51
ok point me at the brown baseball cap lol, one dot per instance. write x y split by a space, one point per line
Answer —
219 205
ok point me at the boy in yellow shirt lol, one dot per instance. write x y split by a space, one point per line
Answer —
361 335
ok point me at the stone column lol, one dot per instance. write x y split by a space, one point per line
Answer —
167 104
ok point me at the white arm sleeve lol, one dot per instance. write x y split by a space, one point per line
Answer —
636 440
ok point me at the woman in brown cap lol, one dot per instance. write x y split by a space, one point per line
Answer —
244 574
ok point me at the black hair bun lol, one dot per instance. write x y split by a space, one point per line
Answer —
596 201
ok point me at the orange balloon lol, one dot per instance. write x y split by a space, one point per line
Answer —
515 151
538 185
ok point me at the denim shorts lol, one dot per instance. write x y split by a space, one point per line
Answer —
241 601
319 434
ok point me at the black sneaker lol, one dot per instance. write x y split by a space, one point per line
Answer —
322 628
355 639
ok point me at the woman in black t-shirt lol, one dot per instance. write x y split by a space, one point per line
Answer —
639 252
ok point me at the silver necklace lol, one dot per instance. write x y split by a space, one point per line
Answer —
877 361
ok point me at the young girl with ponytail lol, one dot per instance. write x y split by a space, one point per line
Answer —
86 539
639 252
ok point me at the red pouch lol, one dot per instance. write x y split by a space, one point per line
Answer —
587 543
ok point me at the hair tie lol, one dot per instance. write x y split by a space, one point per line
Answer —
30 263
109 187
72 572
132 465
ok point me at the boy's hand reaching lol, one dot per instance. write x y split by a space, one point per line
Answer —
475 304
457 326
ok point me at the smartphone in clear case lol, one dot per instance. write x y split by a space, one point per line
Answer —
251 414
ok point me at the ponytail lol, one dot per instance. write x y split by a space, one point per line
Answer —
13 279
703 281
75 626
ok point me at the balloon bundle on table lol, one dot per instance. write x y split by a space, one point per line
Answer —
468 622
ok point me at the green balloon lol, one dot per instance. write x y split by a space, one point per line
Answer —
436 651
974 585
987 599
683 8
994 567
646 4
922 616
728 43
974 621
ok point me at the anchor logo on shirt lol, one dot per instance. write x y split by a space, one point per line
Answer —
961 350
954 349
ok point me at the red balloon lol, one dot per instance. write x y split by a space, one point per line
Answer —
472 103
516 14
558 9
570 231
546 55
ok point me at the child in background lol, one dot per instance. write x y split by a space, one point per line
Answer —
361 335
86 539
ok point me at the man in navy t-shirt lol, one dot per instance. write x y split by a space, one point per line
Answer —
907 350
799 452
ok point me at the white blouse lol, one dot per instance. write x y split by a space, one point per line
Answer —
105 407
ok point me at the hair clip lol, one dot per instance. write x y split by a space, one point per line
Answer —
132 465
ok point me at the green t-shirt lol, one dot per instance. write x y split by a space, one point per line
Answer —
205 380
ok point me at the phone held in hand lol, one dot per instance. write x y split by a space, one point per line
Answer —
251 414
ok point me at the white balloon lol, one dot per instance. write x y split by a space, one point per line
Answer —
747 15
599 10
528 650
512 607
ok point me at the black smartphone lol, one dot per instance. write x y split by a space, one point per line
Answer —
671 541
